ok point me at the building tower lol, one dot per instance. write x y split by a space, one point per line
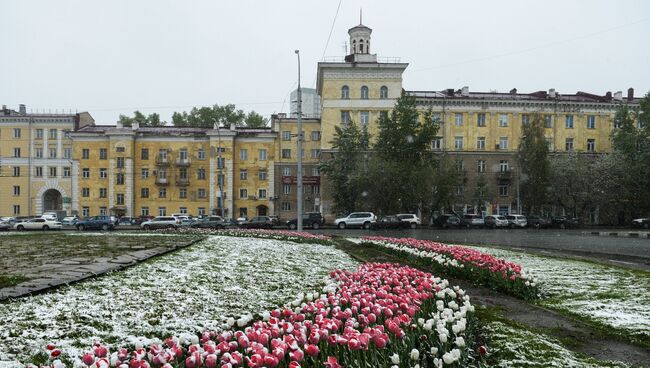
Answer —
360 45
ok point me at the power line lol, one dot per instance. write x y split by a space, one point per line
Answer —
329 36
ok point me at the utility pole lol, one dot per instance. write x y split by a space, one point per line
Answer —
299 176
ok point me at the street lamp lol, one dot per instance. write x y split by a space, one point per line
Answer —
299 176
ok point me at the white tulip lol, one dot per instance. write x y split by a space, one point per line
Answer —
394 358
415 354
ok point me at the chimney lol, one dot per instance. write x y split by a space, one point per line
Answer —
608 96
630 94
120 125
22 109
513 91
135 125
618 96
464 91
551 93
233 127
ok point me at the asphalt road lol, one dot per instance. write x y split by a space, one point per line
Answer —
626 252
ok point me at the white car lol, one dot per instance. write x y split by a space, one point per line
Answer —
161 222
52 216
412 219
38 224
517 221
356 219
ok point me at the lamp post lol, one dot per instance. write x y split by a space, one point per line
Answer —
299 176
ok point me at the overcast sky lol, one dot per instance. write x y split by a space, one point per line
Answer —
112 57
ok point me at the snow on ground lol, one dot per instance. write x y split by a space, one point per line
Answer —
185 291
612 296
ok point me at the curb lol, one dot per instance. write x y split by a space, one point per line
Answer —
623 234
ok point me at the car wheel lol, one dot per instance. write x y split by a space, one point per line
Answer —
20 228
46 228
315 226
104 227
292 226
146 227
366 225
414 225
341 225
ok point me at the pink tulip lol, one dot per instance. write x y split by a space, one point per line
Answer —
88 359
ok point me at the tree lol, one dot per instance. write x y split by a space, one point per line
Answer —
205 117
572 183
346 170
482 192
446 180
152 120
534 165
254 120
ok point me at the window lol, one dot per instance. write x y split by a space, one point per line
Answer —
383 92
458 143
38 153
221 162
182 193
103 173
201 154
119 149
243 154
364 117
286 153
458 119
67 152
144 211
182 210
286 189
316 189
38 171
480 165
119 162
102 192
17 152
345 117
52 133
302 153
480 143
162 193
286 135
52 152
286 171
262 175
52 171
315 171
548 122
286 206
39 133
315 153
591 122
16 190
503 166
103 154
345 92
315 135
364 92
591 145
16 209
201 211
144 193
85 211
243 193
201 193
568 121
261 193
503 143
436 143
85 192
503 120
220 180
200 174
503 190
162 211
144 173
67 172
120 198
102 211
568 144
549 143
16 170
243 174
525 119
480 119
262 154
16 132
144 155
85 153
119 179
182 154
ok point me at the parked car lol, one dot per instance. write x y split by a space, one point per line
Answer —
211 222
412 220
10 220
641 222
240 220
258 222
125 220
5 225
446 221
309 219
356 219
52 216
538 222
142 219
38 224
472 221
564 222
495 221
104 223
390 222
515 221
161 222
70 221
275 220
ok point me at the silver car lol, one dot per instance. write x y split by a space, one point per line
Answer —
495 221
161 222
517 221
38 224
356 219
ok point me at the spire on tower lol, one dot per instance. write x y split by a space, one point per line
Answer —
360 15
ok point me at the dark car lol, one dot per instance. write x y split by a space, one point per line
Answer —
210 222
538 222
275 220
142 219
446 221
641 222
95 223
259 222
309 219
564 222
390 222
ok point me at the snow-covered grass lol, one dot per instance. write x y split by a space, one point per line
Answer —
183 292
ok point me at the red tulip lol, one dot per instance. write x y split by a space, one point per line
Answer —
88 359
55 353
311 350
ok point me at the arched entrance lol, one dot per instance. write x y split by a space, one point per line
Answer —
262 210
52 200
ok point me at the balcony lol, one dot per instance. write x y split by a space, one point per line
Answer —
162 160
162 181
182 182
504 175
183 162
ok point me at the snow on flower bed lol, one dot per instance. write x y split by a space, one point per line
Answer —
465 262
295 236
190 290
612 296
379 316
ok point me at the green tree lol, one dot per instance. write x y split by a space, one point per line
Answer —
572 183
254 120
534 165
152 120
482 192
206 116
346 169
445 182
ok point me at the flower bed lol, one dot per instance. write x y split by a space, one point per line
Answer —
293 236
457 261
378 316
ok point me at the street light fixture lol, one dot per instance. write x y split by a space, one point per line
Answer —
299 176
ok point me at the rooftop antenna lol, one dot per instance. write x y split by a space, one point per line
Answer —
345 46
360 15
